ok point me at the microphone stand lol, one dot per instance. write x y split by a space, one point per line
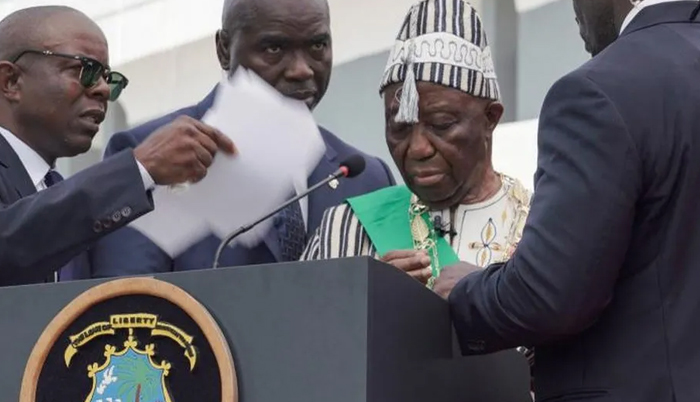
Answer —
341 172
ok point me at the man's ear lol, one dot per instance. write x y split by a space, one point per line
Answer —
10 81
223 49
494 111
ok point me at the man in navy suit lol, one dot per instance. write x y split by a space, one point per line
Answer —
288 44
55 85
604 283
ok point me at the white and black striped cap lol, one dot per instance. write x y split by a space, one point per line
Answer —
443 42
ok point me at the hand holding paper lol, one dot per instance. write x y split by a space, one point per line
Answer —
181 151
277 142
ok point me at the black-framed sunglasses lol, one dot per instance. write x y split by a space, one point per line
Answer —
90 73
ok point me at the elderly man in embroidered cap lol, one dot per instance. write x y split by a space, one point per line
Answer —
442 104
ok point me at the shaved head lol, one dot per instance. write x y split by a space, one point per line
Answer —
240 14
237 14
30 28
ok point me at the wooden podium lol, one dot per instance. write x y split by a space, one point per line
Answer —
344 330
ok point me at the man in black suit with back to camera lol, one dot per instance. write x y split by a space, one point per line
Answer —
604 283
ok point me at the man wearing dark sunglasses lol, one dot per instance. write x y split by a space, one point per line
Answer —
91 71
55 85
288 44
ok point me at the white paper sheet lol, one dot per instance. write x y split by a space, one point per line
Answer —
170 226
278 142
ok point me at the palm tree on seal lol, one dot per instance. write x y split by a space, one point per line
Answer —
139 378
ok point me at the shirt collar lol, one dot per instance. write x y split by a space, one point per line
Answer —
636 9
35 165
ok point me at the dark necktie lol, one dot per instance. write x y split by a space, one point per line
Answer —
292 232
67 272
52 178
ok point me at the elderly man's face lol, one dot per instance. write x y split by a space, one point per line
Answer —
288 44
442 158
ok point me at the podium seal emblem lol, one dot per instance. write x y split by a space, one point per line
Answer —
131 340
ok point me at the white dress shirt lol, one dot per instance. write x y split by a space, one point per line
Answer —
37 168
637 8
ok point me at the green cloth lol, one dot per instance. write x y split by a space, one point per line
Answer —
384 214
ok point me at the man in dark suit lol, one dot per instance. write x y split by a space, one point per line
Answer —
54 89
604 283
288 44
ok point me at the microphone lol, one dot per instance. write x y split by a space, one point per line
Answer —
350 167
440 228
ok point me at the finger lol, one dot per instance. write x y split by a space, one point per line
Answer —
222 142
422 275
198 172
207 143
225 143
417 262
400 254
203 155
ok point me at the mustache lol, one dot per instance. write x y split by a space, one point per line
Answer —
290 90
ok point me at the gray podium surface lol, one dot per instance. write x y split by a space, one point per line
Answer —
345 330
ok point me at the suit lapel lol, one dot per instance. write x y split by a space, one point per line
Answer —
14 172
15 177
202 107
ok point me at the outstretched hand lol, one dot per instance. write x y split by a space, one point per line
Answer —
450 276
182 151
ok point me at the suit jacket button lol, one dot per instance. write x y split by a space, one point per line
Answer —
97 227
476 346
126 211
107 223
116 217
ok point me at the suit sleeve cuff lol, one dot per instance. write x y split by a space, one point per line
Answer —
148 182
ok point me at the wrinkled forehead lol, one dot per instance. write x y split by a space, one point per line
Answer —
432 98
288 24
